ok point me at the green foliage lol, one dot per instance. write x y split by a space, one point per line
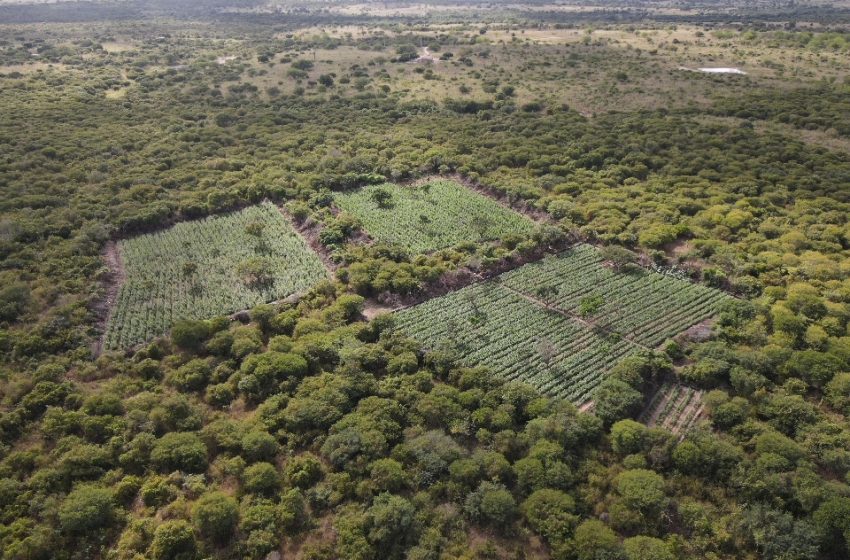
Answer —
551 513
261 478
189 334
616 400
380 444
180 451
492 505
643 491
303 471
596 541
87 509
215 516
14 300
259 446
453 215
230 276
570 359
173 540
627 437
647 548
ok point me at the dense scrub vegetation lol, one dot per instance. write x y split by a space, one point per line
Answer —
306 430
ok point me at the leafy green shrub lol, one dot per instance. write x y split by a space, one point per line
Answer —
157 491
491 504
190 334
259 446
215 516
261 478
86 509
303 471
180 451
173 540
551 513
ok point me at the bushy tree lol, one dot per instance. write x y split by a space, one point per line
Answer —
215 516
647 548
86 510
261 478
173 540
180 451
596 541
491 504
551 513
615 400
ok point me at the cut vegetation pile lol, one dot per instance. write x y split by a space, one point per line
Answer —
431 216
206 268
562 323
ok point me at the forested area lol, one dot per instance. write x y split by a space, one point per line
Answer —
305 429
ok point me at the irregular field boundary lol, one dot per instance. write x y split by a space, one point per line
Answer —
448 214
116 275
675 407
689 311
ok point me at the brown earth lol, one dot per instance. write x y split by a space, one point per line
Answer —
111 282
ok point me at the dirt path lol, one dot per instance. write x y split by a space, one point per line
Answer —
577 318
372 309
654 413
426 56
310 232
112 283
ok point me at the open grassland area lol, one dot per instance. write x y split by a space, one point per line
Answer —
562 323
204 268
675 407
645 307
431 216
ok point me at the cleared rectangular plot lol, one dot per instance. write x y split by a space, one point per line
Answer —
643 306
675 407
491 325
431 216
205 268
525 324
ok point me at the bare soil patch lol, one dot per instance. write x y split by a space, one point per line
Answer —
427 57
110 283
310 230
373 308
700 332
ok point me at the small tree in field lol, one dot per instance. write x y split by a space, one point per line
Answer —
590 305
381 197
619 257
547 351
256 273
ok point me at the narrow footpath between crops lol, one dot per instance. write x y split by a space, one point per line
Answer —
574 317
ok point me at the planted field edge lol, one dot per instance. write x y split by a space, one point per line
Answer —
213 277
704 303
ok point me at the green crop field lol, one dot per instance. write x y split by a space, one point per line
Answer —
431 216
208 267
675 407
489 324
528 325
643 306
